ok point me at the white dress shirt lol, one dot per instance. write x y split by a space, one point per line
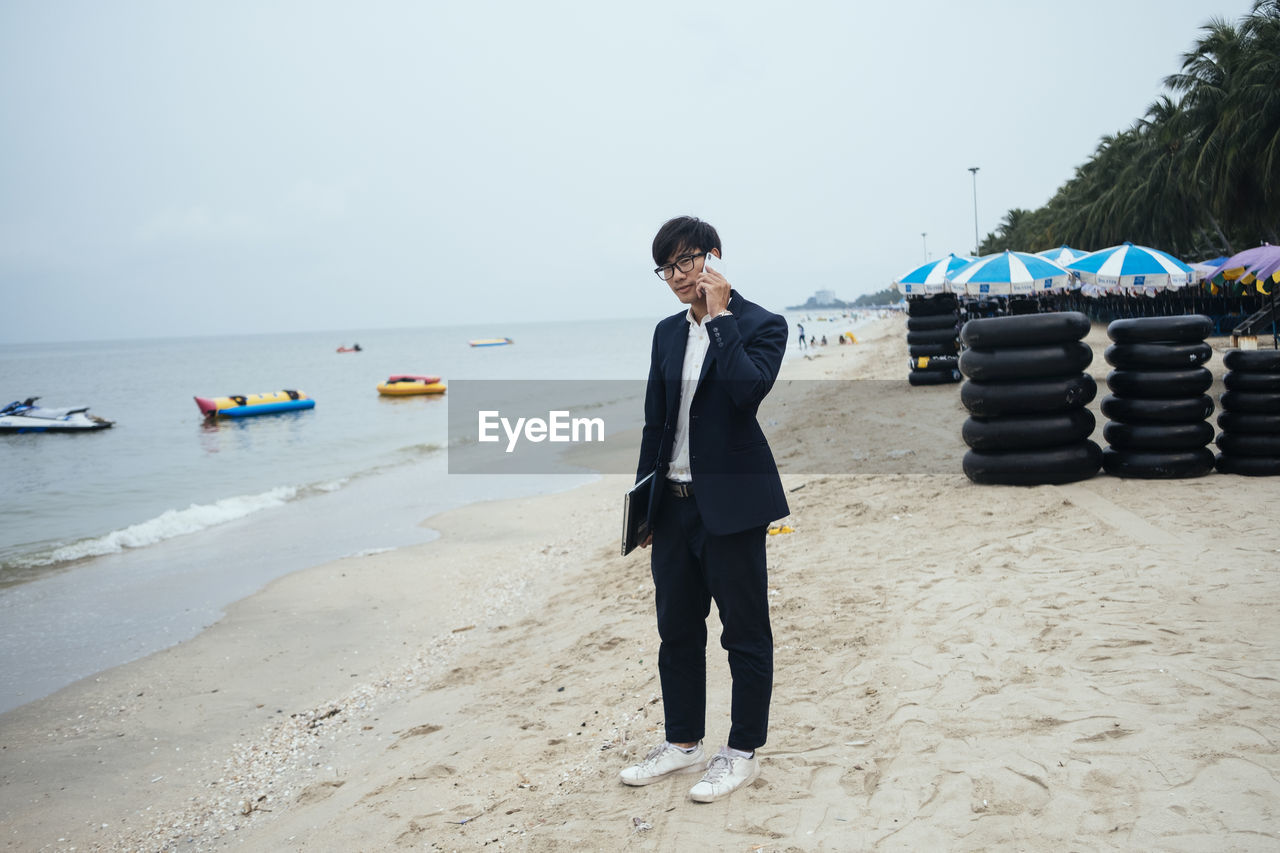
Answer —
695 353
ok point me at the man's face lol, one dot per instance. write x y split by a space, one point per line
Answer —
684 284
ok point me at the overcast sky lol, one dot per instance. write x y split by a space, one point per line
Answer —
201 168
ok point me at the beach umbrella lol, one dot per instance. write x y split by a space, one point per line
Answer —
1202 270
1063 255
1130 267
930 277
1009 273
1259 266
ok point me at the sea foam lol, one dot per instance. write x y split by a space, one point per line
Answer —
167 525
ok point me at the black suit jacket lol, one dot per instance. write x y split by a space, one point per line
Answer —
735 480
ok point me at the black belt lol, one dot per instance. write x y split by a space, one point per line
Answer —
680 490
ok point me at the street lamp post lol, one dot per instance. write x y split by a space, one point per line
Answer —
974 171
924 235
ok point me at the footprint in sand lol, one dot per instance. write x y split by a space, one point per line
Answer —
436 771
317 792
416 731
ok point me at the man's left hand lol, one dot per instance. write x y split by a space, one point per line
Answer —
715 289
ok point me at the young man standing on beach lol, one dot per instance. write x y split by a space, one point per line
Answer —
716 489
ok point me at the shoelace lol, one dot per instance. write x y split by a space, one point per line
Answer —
656 753
717 769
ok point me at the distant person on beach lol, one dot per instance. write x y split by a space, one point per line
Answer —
716 488
803 342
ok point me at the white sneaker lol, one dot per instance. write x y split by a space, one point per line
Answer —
725 774
663 760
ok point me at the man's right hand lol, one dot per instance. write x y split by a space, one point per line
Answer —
648 540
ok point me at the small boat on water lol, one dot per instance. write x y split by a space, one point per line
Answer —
354 348
491 342
28 417
245 405
405 385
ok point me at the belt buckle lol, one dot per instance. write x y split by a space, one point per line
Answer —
680 490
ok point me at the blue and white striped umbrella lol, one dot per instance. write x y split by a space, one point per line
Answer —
1063 255
931 277
1130 267
1009 273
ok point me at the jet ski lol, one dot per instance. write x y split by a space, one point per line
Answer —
28 417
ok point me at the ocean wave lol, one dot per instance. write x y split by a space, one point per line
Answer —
370 552
34 558
167 525
331 486
424 449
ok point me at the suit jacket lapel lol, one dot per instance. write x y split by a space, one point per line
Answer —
675 366
706 365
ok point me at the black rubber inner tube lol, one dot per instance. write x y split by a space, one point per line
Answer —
1148 384
1025 330
1031 362
940 321
1263 360
933 377
1157 436
931 336
1248 466
1244 401
1183 329
1181 410
1030 432
1252 422
937 362
1249 380
930 350
1157 356
1249 444
1028 396
931 306
1051 466
1157 465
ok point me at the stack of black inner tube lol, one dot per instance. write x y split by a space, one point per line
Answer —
1026 397
1158 408
1250 419
932 325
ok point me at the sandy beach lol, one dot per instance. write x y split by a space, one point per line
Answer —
1085 667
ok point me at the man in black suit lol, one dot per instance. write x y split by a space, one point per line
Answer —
716 490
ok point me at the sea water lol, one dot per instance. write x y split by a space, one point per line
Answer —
118 543
163 471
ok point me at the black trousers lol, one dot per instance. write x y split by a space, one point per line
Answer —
691 567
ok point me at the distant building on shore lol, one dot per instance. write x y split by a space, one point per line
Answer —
821 300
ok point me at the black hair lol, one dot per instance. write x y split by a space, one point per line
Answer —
683 232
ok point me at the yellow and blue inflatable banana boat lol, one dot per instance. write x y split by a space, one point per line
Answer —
244 405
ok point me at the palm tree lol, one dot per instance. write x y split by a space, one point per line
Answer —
1261 88
1230 82
1199 173
1009 234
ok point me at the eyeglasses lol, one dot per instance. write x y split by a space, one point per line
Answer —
667 271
